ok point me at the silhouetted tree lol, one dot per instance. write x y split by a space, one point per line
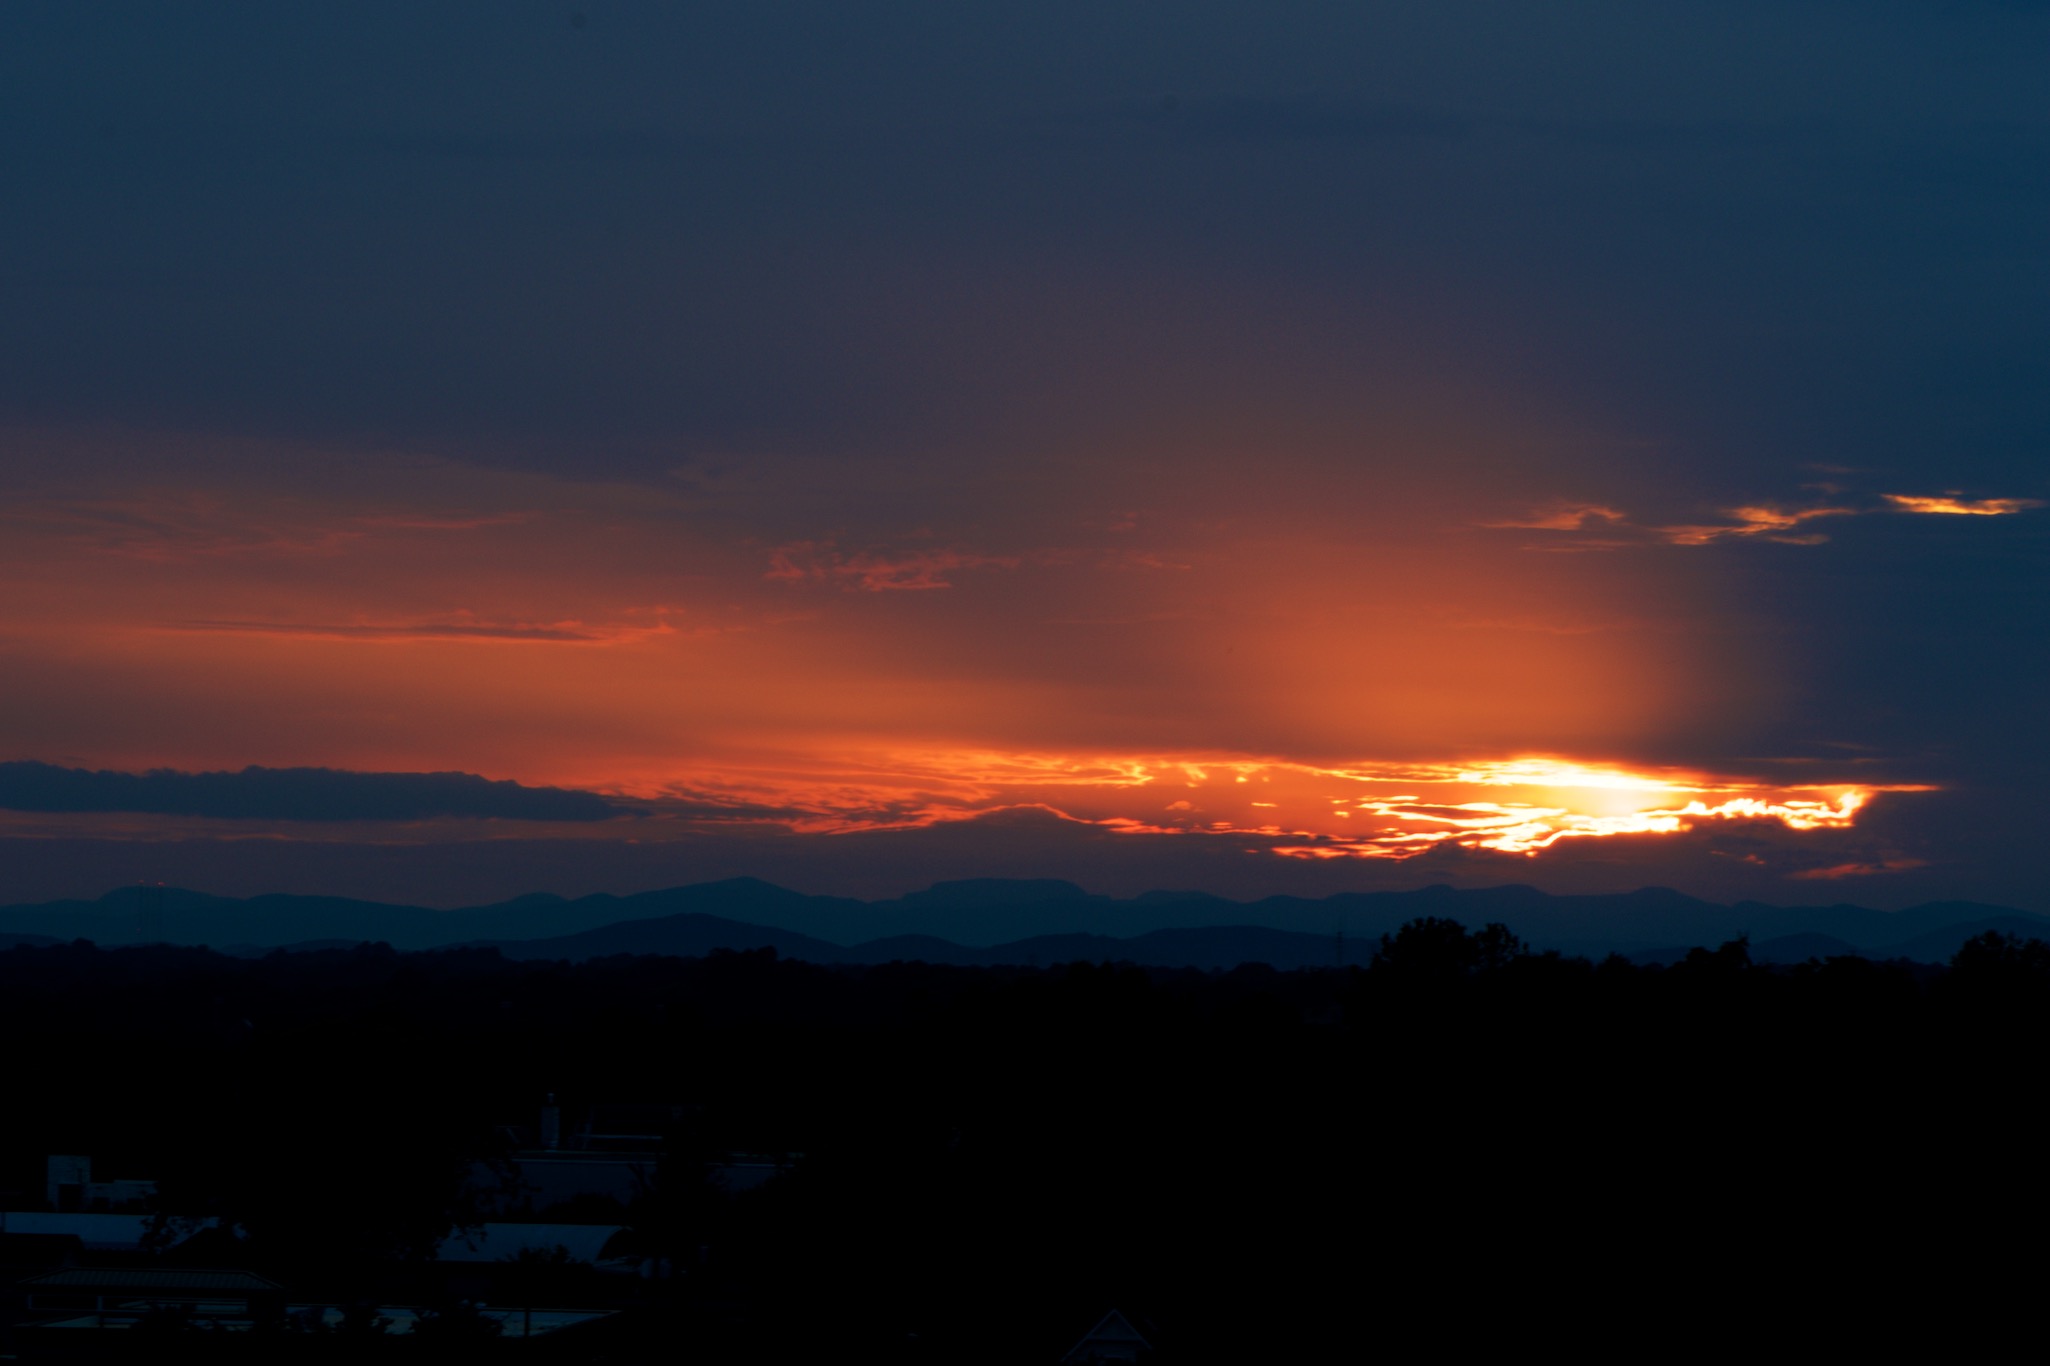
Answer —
1434 948
1731 957
2004 957
360 1320
532 1275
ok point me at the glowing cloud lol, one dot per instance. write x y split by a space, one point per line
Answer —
1838 871
1556 800
1759 521
1954 506
1772 523
763 677
1525 805
821 562
1564 517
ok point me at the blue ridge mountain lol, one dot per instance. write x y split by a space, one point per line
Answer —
1940 944
690 935
1016 921
132 915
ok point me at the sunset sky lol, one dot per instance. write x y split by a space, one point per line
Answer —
1294 447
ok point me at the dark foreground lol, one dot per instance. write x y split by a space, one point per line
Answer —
1463 1147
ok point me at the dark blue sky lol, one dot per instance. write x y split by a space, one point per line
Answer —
888 440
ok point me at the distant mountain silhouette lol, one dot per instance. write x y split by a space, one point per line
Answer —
996 921
689 935
1219 947
996 891
918 948
692 935
275 921
1799 948
1940 944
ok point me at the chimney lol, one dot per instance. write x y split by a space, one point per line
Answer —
551 1123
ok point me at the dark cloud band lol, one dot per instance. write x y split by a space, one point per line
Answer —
292 794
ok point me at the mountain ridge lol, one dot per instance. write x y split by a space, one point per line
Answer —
1004 920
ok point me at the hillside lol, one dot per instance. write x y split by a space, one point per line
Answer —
992 922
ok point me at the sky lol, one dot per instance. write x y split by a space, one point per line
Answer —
455 451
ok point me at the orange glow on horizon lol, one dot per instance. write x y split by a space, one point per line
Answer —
1517 829
716 659
1524 805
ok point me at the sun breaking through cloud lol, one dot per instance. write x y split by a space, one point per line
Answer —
1522 806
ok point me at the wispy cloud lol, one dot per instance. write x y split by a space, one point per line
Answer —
1760 520
1564 516
1528 806
1953 505
293 794
914 570
457 629
185 527
1871 867
1782 524
877 571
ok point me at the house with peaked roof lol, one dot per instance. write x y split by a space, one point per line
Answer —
1112 1339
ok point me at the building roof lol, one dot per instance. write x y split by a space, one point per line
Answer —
496 1242
152 1280
1113 1339
99 1231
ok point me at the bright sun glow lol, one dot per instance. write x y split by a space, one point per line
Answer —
1523 805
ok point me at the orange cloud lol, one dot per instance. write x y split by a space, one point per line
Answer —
822 562
1085 686
1954 506
1763 521
1771 523
1869 868
1564 516
1523 806
460 627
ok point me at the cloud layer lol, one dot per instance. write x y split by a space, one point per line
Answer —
1597 526
744 413
292 794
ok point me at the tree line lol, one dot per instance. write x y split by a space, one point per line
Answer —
1467 1138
